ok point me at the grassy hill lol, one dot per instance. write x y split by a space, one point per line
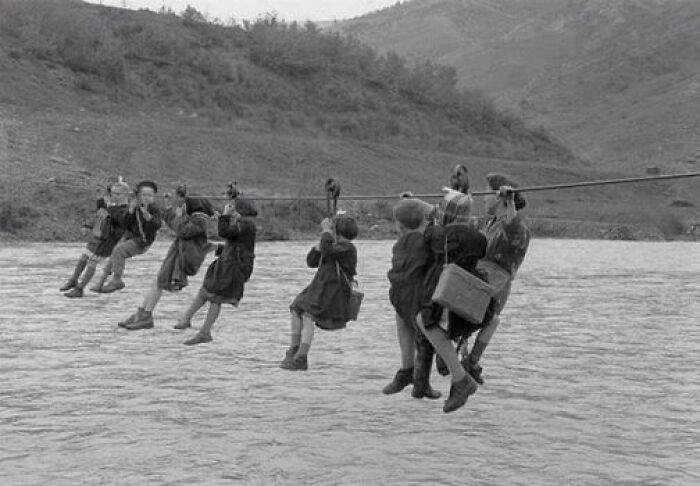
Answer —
616 80
88 93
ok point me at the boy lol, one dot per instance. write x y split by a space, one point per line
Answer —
410 262
106 233
142 224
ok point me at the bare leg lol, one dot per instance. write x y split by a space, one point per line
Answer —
186 320
296 325
204 334
307 335
444 347
483 339
152 298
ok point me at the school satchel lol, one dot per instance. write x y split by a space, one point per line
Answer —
463 293
355 296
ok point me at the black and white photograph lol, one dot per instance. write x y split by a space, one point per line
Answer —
350 242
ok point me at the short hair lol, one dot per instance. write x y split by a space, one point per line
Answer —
346 226
150 184
496 180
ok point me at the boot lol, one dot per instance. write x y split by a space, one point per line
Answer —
199 338
115 284
459 392
77 291
441 366
402 379
97 288
473 369
144 321
132 318
182 324
421 372
288 361
301 363
73 281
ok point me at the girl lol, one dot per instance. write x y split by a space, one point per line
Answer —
226 276
454 240
188 219
106 233
326 300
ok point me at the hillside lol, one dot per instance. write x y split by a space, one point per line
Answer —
616 80
88 93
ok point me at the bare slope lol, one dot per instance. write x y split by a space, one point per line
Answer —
617 80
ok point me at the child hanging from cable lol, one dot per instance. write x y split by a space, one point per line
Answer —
188 218
227 275
325 302
411 258
452 240
142 224
107 230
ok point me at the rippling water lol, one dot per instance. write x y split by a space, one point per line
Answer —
591 379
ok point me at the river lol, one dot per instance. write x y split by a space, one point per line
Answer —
591 379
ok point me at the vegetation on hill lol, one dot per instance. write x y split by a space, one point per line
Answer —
280 76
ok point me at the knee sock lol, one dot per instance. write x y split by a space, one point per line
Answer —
483 339
152 298
79 267
295 332
89 273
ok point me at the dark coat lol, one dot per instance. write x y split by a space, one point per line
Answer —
186 254
141 231
107 230
326 299
411 258
465 246
227 274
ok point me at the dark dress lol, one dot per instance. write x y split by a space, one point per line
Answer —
107 230
226 276
186 254
326 299
465 246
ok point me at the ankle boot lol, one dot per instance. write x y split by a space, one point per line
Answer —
300 363
459 392
73 280
288 361
473 369
421 372
199 338
132 318
97 288
77 291
183 324
144 321
402 379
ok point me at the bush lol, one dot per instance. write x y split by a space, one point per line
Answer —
14 218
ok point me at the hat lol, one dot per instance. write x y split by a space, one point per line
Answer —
246 207
198 205
150 184
456 207
411 212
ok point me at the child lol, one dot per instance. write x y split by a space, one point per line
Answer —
226 276
456 241
106 233
410 262
142 225
326 300
188 219
508 239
